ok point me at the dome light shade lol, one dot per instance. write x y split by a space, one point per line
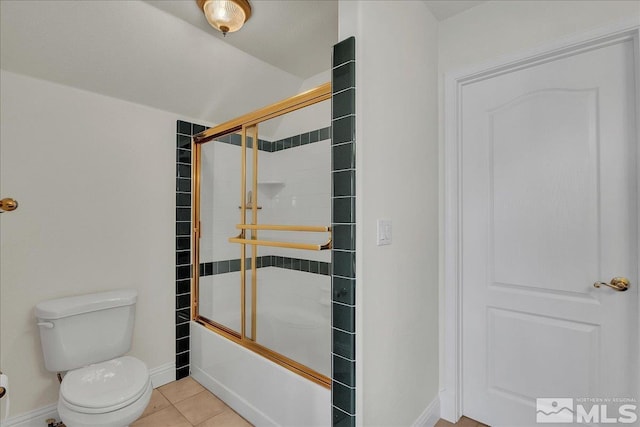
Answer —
226 16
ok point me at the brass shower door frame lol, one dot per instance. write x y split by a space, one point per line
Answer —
245 124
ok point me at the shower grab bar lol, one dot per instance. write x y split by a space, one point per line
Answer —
309 228
306 246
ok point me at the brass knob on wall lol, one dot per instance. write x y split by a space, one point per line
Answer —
8 205
619 284
3 390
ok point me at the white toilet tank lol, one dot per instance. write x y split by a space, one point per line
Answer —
82 330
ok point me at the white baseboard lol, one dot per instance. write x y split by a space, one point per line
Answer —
430 415
447 406
35 418
163 374
160 375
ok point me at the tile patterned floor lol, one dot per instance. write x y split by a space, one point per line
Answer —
462 422
185 403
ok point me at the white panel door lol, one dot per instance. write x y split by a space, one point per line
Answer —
549 206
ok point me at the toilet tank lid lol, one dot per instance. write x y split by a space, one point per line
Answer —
71 306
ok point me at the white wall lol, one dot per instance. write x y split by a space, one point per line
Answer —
397 179
317 80
497 30
94 177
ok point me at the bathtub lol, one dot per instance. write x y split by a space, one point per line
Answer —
263 392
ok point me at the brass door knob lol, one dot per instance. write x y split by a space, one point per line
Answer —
8 205
619 284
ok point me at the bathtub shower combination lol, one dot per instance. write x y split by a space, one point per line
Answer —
262 289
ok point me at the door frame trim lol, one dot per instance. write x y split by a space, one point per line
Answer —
451 297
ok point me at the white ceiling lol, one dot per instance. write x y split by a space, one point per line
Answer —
443 9
135 52
295 36
163 53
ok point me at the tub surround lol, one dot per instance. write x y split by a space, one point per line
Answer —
185 131
341 267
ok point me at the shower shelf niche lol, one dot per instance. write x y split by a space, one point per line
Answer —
270 188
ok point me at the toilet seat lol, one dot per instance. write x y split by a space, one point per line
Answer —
106 386
119 418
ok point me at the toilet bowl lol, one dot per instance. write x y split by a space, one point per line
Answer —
86 337
108 394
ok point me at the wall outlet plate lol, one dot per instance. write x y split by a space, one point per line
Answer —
384 235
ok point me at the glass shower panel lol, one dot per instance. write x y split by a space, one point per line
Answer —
219 269
293 310
264 211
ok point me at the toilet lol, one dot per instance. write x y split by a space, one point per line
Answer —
87 336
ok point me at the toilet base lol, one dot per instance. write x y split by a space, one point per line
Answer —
120 418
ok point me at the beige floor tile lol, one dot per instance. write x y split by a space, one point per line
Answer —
181 389
168 417
228 418
444 423
200 407
157 403
466 422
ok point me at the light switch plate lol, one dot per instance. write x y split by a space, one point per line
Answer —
384 232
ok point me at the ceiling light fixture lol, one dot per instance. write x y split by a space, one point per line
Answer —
226 16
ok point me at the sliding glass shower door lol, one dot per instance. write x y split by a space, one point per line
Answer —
262 204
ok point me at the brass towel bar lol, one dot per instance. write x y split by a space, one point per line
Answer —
310 228
305 228
307 246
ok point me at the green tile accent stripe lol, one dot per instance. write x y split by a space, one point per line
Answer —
232 265
343 254
236 139
301 139
184 140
